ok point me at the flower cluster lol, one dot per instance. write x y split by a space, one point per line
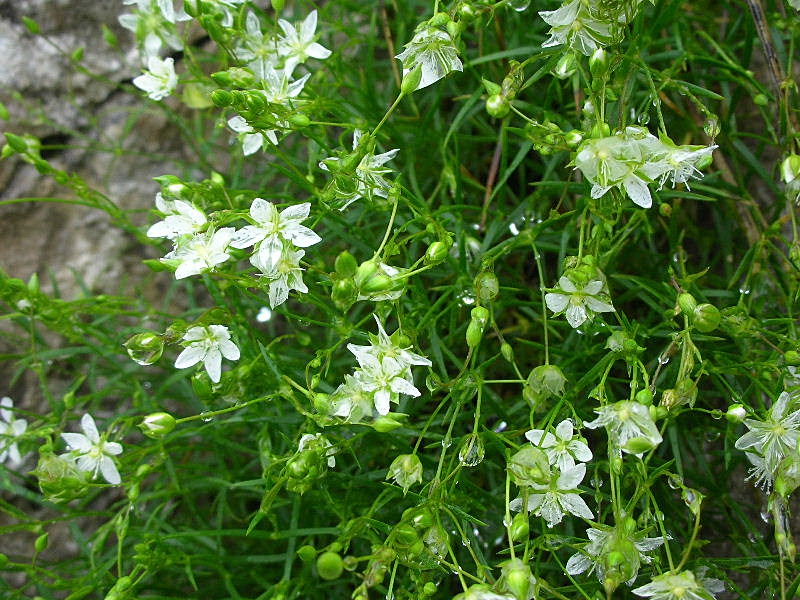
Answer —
771 440
278 238
548 474
633 158
272 58
383 374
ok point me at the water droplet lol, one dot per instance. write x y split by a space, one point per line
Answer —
663 359
744 290
752 537
264 315
597 482
501 426
467 298
446 444
765 516
513 229
675 481
147 385
712 436
465 542
472 451
519 5
643 118
711 126
206 418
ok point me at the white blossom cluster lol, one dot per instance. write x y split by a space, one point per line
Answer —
383 374
278 239
634 158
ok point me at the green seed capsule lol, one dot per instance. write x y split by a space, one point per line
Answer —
329 565
706 318
307 553
41 542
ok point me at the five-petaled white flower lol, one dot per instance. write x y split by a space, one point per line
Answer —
385 379
435 53
563 449
382 346
207 345
678 164
629 424
159 80
681 586
767 442
180 218
92 453
556 498
297 46
200 252
252 140
11 430
283 271
579 302
274 229
573 25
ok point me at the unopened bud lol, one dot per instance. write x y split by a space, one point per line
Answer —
687 303
329 565
706 318
411 80
498 106
157 425
736 413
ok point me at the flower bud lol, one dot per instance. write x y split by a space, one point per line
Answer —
479 318
792 357
644 397
498 106
790 168
518 577
687 303
566 66
329 566
429 589
278 5
419 517
157 425
639 445
529 466
736 413
386 423
411 80
573 138
507 351
405 535
598 63
346 264
406 470
487 287
299 121
59 478
544 382
438 251
706 318
520 527
344 293
40 545
307 553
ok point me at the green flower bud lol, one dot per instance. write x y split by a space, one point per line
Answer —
544 382
440 19
437 252
157 425
419 517
687 303
639 445
299 121
307 553
221 98
278 5
665 210
706 318
573 138
529 466
346 265
436 539
598 63
520 527
40 545
429 589
59 478
566 66
736 413
411 80
329 565
406 470
760 100
790 168
386 423
498 106
792 357
491 87
344 293
644 396
507 351
487 287
405 535
518 578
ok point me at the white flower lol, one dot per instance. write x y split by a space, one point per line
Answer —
382 346
201 252
283 270
11 430
254 47
385 379
614 161
278 88
677 163
435 52
580 302
252 141
482 592
629 426
560 496
154 24
298 46
772 439
680 586
207 345
316 439
573 25
351 402
562 449
369 174
181 218
604 540
274 229
160 80
93 454
227 7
